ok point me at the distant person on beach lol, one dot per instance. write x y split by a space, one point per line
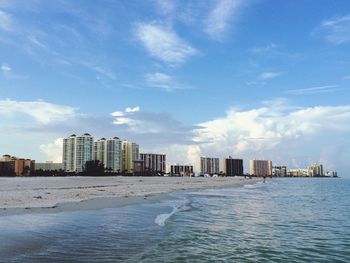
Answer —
264 178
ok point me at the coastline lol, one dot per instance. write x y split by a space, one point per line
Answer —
61 194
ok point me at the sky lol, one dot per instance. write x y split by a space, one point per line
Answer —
251 79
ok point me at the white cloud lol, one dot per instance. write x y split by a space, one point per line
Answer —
314 90
220 17
53 151
43 112
278 133
335 30
7 72
5 21
269 75
163 43
125 117
134 109
163 81
117 114
264 49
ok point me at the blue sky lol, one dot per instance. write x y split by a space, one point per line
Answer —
251 79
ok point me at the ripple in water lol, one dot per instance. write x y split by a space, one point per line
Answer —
287 220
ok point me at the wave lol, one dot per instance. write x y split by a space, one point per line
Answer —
163 218
256 185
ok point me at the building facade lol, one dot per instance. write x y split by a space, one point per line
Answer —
181 170
154 162
316 170
260 167
10 165
77 150
298 173
210 165
49 166
108 152
130 153
232 167
279 171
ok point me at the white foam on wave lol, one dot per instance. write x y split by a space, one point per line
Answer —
162 218
253 186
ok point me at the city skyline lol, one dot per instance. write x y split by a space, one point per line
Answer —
185 78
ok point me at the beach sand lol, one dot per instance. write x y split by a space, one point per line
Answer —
36 194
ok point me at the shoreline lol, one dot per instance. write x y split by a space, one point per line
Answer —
61 194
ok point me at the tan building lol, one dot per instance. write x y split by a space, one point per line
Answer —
260 167
130 153
18 166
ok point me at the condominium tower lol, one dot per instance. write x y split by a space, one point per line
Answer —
108 152
130 153
261 167
77 150
154 162
210 165
233 167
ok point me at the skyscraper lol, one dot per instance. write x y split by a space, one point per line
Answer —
261 167
77 150
210 165
154 162
130 153
233 167
108 152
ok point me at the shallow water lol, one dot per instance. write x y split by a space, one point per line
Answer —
283 220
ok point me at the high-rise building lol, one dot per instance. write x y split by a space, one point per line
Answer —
279 171
210 165
108 152
316 169
100 151
232 167
114 154
154 162
260 167
181 170
77 150
130 153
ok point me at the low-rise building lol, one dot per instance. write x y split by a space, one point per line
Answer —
181 170
49 166
279 171
17 166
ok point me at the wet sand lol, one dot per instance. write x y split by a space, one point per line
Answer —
37 194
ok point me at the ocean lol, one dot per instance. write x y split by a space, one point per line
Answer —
282 220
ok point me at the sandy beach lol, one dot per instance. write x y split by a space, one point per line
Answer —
47 192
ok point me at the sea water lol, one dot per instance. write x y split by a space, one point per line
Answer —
282 220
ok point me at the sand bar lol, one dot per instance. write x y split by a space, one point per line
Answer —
47 192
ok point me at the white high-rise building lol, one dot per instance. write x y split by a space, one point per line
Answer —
100 151
316 169
210 165
77 150
130 153
108 152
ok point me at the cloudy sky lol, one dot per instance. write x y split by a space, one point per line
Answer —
262 79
